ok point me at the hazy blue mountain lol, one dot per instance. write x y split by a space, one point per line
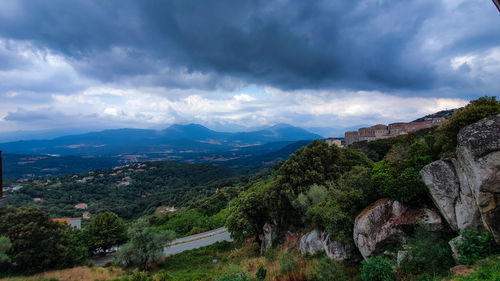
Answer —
176 138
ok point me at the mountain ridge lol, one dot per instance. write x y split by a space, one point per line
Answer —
176 137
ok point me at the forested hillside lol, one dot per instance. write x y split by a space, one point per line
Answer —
129 191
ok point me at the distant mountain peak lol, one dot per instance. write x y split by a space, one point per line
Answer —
281 126
190 126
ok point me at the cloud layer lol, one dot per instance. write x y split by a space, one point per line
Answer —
231 64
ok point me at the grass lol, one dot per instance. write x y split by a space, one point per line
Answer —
81 273
211 262
489 270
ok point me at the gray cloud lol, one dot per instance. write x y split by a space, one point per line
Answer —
285 44
233 64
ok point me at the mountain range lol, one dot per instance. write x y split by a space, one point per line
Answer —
191 137
193 143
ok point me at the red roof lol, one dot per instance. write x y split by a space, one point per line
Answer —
66 220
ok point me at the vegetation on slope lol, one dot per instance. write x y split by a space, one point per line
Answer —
324 187
129 191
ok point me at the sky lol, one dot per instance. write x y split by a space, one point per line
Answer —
235 65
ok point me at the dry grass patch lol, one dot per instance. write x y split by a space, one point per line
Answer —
81 273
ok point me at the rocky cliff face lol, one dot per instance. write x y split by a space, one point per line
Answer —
466 189
387 222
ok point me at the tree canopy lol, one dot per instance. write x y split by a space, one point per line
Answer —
105 231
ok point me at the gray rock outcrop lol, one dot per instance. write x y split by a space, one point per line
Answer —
270 233
387 222
466 189
315 242
311 243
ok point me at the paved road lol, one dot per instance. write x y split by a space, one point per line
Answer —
195 244
185 244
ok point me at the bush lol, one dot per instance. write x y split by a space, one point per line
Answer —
429 253
145 246
162 276
473 247
377 269
137 276
239 276
261 273
329 270
288 263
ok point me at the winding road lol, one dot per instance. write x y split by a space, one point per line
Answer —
184 244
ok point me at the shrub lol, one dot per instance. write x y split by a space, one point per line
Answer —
288 263
473 246
429 252
162 276
145 246
377 269
261 273
329 270
239 276
137 276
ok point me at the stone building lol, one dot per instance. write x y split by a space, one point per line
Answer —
351 137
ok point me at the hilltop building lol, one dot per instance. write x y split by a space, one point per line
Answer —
337 142
382 131
351 137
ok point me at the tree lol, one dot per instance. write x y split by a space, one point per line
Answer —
317 163
249 212
5 246
345 199
105 231
145 245
38 243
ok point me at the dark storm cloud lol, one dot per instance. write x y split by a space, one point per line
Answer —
356 44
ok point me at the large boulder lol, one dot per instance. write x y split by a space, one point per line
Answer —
456 204
386 223
315 242
311 243
339 251
466 189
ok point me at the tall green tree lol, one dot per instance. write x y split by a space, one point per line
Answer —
250 211
317 163
105 231
38 243
145 246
